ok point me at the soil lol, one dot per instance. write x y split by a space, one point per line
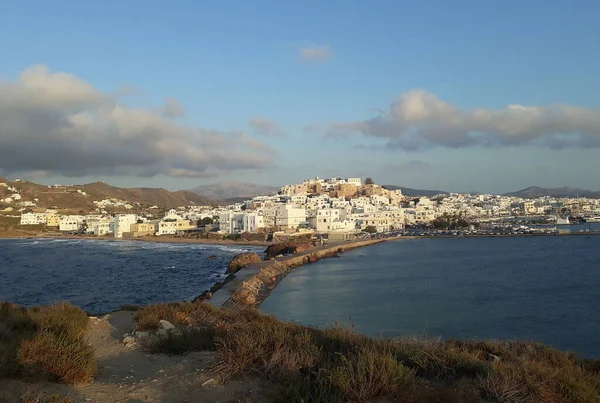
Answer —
130 375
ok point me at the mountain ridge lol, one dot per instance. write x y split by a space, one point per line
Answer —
72 197
234 190
537 191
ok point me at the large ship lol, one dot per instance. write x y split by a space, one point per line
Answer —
592 219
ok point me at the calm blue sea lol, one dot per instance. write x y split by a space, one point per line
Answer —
99 276
545 289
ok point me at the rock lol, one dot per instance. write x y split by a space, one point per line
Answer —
313 259
245 296
142 335
165 324
128 340
211 382
242 260
212 257
162 332
280 255
285 248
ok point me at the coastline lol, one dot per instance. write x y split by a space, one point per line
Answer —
162 239
254 283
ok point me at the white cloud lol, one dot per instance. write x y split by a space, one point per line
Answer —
58 124
265 127
316 53
420 119
173 108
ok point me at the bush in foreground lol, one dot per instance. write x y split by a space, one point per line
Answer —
337 365
45 342
34 396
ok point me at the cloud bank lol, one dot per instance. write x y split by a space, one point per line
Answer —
58 124
265 127
316 53
420 120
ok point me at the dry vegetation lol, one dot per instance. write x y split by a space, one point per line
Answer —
34 396
338 365
45 343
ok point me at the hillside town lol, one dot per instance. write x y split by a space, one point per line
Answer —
339 208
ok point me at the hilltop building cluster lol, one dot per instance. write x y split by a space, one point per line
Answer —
341 208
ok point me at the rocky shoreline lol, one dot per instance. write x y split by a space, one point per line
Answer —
252 291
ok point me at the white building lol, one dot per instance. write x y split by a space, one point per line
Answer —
324 219
289 216
231 222
33 218
102 227
70 223
123 224
354 181
170 226
253 221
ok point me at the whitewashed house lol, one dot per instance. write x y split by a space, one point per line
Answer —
290 216
33 218
253 221
123 224
70 223
231 222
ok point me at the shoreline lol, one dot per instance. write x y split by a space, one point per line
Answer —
254 283
165 239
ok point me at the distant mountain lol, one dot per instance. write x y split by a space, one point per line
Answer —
535 191
70 197
416 192
234 190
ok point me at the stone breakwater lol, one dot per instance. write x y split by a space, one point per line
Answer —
252 292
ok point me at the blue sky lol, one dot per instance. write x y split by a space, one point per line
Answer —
344 68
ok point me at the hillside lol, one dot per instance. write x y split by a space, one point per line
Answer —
233 190
536 191
147 196
416 192
70 198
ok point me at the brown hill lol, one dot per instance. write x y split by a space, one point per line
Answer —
81 197
147 196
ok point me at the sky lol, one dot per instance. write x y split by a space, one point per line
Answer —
465 95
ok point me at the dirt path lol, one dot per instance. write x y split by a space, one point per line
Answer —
129 375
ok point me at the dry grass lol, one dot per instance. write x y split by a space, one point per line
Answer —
35 396
182 341
370 372
59 357
45 342
337 365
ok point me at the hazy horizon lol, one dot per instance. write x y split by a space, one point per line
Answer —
463 97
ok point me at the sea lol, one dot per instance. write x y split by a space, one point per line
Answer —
538 288
100 276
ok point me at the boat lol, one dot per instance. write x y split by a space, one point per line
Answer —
592 219
562 221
